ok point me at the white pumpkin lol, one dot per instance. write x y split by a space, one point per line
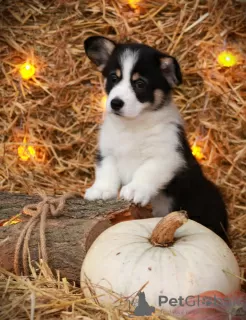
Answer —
129 254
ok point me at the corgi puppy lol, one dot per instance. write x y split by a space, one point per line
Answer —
143 150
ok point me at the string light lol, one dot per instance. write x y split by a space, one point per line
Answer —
133 3
197 152
103 102
227 59
27 70
25 151
11 221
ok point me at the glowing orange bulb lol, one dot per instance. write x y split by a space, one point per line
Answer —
197 152
27 70
25 152
133 3
103 102
14 221
227 59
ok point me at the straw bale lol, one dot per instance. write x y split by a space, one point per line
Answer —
60 111
48 297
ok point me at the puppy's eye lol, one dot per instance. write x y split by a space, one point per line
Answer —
114 77
140 84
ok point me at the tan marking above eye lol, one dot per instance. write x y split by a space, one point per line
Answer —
118 73
135 76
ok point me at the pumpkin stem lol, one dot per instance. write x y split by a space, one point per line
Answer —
163 233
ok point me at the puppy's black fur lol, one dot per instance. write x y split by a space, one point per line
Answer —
193 192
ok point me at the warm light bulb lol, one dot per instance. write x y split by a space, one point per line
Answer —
103 102
133 3
27 70
227 59
197 152
12 221
25 152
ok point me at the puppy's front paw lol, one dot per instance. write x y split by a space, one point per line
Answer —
100 192
136 193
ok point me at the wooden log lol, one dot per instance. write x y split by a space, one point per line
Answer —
69 236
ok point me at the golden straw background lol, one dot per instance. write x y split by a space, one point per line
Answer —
59 111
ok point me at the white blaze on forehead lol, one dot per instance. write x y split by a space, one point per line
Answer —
123 89
128 60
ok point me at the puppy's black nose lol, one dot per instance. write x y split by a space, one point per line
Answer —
117 104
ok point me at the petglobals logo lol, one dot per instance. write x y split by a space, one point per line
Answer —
208 304
143 308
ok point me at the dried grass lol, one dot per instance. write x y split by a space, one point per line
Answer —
60 110
45 296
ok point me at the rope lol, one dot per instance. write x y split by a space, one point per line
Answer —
49 206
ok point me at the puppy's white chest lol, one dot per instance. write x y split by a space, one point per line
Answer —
126 146
129 159
127 150
134 143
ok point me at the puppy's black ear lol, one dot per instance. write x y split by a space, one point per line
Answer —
171 70
98 49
